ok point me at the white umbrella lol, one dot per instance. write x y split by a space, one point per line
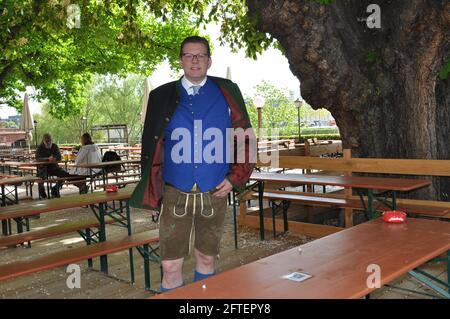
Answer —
147 89
228 73
26 120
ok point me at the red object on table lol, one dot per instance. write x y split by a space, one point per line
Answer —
394 216
112 188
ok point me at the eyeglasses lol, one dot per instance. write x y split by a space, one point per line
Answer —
201 57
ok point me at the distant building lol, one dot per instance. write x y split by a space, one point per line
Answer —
8 136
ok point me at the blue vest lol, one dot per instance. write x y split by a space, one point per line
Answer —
195 148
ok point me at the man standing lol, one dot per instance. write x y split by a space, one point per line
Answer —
184 186
49 152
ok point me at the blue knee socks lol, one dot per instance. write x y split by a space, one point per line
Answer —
199 276
169 289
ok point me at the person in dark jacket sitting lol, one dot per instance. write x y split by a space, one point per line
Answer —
47 151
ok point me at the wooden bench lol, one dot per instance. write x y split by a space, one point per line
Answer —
63 180
53 231
123 176
141 241
339 202
348 165
20 211
341 264
120 184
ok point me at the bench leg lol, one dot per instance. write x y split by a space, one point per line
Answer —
19 225
261 209
102 237
130 251
146 267
27 225
5 227
88 242
16 195
234 220
274 207
448 270
370 203
285 217
425 279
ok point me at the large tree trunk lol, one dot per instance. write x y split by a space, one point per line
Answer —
442 185
379 84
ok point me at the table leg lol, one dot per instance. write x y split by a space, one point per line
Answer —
3 195
274 207
234 219
394 200
285 217
146 267
104 175
31 189
261 208
19 222
4 222
16 194
448 271
102 237
130 251
92 182
5 227
370 203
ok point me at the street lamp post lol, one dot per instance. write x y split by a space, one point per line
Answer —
83 124
298 104
259 104
35 132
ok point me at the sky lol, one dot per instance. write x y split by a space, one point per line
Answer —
271 66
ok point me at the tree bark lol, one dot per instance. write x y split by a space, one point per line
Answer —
380 85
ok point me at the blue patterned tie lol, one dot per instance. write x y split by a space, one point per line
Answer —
196 88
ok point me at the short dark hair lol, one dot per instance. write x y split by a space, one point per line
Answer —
86 139
195 39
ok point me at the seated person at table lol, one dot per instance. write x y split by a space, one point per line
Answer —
49 152
89 153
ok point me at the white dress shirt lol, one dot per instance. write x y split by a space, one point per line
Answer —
188 84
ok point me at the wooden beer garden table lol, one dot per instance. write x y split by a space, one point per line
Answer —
98 203
370 184
103 166
340 264
13 181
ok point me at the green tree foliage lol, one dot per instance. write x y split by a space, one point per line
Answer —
40 49
281 113
41 46
11 124
110 100
278 111
118 101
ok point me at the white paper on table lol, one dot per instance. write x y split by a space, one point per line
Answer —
297 276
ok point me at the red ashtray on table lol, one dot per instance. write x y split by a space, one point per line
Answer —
394 216
111 188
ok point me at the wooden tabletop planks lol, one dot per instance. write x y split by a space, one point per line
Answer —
72 201
394 184
338 263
